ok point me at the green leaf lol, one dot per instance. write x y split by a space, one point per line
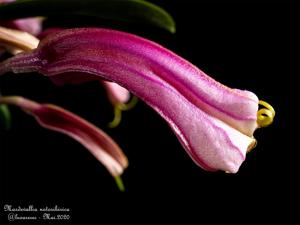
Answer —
137 11
5 117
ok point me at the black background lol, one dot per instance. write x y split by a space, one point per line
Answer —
251 45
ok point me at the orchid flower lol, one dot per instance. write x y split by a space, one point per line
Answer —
30 25
95 140
214 123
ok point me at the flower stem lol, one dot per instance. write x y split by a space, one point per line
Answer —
125 107
119 183
5 116
117 118
118 111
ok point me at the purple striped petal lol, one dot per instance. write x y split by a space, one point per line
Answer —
214 123
96 141
116 94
